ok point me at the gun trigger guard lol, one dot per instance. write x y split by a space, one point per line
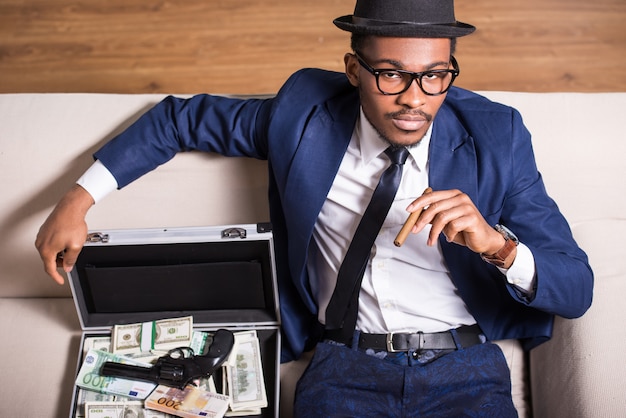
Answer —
181 353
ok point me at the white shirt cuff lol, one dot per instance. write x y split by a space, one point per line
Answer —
98 181
522 272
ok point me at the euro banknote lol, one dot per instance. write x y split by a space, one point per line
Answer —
190 402
89 376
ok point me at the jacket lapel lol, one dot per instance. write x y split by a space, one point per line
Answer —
453 165
452 156
313 169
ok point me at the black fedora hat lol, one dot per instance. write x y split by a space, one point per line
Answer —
404 18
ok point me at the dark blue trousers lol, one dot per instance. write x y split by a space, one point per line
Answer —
347 382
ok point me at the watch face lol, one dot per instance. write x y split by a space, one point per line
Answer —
506 232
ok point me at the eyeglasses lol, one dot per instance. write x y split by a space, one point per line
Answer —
432 82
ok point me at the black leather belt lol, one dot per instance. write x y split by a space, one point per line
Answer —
467 336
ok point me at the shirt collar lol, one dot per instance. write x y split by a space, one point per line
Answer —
372 145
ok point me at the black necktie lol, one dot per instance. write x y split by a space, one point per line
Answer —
342 309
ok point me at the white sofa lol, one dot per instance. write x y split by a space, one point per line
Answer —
46 141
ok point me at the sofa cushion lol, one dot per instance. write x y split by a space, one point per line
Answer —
38 356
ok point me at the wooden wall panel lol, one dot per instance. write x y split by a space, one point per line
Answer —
251 46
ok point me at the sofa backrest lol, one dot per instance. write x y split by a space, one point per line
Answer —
46 142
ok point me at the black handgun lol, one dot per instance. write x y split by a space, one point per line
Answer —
179 366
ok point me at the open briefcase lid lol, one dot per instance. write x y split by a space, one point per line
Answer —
223 276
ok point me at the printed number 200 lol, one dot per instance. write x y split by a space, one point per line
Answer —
170 403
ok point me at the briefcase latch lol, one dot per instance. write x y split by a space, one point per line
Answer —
234 233
97 237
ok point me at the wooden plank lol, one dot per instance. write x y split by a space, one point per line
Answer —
252 46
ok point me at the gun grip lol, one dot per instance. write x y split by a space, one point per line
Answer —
223 341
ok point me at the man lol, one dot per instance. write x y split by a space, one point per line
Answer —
491 257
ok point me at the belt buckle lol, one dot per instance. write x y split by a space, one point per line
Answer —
392 349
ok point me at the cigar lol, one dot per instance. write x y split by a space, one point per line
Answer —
410 222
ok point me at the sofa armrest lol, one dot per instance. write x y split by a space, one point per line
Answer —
580 371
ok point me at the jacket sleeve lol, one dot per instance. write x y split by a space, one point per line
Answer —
564 280
228 126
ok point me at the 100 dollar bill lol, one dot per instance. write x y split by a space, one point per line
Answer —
163 334
120 410
246 383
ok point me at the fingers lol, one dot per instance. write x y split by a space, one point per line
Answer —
50 262
450 212
53 259
70 256
51 269
451 218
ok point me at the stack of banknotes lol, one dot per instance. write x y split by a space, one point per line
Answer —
238 390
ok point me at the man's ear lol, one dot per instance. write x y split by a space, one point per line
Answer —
352 68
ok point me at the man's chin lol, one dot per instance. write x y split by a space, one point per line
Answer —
408 139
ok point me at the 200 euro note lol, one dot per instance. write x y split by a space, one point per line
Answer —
190 402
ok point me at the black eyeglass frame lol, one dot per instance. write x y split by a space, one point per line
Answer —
376 72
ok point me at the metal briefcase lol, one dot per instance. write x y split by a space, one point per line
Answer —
222 276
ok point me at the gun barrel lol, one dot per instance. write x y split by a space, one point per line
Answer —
128 371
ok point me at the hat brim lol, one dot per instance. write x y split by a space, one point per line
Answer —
405 30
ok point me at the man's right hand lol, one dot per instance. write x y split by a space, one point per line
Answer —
64 232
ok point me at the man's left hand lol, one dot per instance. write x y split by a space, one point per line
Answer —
453 213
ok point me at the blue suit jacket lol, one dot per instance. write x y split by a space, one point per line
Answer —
477 146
